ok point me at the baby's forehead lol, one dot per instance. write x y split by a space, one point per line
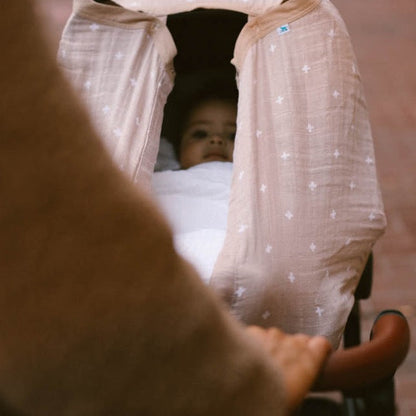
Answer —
212 105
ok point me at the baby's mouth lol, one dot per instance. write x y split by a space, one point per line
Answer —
215 156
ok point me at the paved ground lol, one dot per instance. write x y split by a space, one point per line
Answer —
384 35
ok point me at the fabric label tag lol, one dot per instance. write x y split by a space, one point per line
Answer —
283 29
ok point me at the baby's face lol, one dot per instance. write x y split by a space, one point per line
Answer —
209 133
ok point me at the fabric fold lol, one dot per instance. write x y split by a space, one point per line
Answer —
121 63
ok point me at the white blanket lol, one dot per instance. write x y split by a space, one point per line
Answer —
195 201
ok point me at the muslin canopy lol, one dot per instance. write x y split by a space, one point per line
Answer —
305 208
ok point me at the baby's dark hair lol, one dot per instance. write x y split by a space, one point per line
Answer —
190 93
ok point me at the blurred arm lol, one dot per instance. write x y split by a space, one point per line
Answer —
98 313
355 369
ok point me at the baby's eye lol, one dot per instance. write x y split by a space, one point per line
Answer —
199 134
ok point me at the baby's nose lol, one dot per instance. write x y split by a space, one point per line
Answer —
216 138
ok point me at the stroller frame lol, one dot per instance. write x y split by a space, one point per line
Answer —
391 333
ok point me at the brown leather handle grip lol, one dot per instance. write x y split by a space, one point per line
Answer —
357 368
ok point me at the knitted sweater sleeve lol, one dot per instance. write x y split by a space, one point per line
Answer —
100 316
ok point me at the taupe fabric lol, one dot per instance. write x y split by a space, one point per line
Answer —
305 206
99 316
121 62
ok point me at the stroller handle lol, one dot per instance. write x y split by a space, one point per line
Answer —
356 369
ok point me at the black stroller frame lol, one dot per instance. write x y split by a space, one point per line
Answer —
376 398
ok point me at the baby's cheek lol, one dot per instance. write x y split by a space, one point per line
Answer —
191 155
231 151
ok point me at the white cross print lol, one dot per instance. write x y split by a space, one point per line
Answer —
313 186
369 160
312 247
310 128
94 27
331 33
87 85
239 292
240 176
319 311
336 94
263 188
288 215
306 68
333 214
279 99
269 249
243 227
337 154
285 156
372 217
106 109
272 48
133 82
117 132
352 185
258 133
119 55
291 277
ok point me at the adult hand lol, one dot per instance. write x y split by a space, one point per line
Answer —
299 358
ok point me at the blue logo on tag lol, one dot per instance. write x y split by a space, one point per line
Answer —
283 29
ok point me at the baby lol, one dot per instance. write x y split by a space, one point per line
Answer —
200 120
195 198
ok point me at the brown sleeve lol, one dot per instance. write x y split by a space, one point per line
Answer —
98 315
